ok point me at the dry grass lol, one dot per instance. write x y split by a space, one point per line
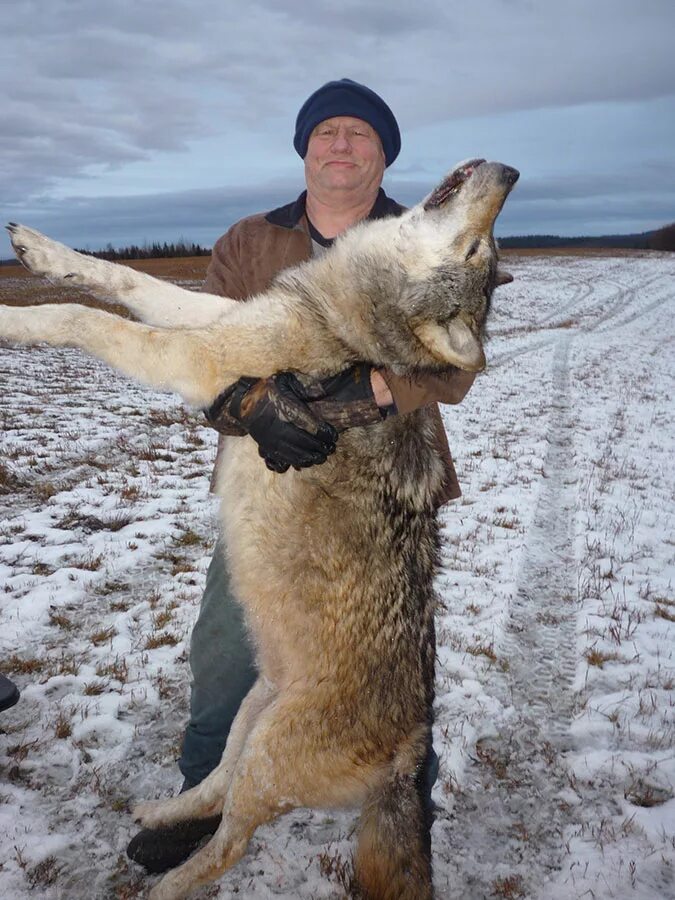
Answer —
10 481
90 524
161 619
509 888
120 606
491 756
663 612
333 867
63 726
102 636
44 873
90 563
595 657
117 670
187 538
165 639
94 688
15 664
20 751
56 617
483 648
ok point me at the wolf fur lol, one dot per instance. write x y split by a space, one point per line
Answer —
334 565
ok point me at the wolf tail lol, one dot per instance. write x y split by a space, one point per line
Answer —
393 856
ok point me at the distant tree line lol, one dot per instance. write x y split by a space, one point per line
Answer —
664 238
150 251
661 239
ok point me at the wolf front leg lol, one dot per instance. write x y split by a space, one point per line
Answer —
151 300
258 339
183 361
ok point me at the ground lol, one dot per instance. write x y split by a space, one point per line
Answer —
555 711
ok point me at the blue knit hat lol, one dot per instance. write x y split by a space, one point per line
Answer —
348 98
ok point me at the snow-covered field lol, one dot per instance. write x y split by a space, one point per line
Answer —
556 661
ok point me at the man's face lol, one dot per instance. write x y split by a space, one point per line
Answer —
344 154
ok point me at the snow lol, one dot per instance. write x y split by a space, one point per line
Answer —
555 712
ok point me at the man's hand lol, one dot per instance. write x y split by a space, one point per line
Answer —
274 412
296 424
356 396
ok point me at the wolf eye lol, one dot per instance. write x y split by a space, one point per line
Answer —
472 249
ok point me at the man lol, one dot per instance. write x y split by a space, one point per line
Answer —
347 136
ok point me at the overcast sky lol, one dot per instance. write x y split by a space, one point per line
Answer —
133 120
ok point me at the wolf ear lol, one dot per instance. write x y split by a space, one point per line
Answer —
503 277
454 344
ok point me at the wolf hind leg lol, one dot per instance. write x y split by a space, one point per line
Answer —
206 798
50 259
285 764
225 848
153 301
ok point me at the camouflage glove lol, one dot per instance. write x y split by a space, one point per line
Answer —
346 400
274 412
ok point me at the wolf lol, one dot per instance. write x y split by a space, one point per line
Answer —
334 566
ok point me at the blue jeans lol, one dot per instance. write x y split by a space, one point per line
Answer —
223 672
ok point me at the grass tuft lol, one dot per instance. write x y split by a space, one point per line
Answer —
510 888
117 670
63 727
103 636
166 639
595 657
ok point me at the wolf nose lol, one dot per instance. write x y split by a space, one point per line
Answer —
510 175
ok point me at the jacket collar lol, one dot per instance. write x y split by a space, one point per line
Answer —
290 215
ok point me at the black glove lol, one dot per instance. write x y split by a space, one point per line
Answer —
274 412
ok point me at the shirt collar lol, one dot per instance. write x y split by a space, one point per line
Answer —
290 215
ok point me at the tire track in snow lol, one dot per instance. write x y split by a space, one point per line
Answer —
626 301
540 637
509 816
617 319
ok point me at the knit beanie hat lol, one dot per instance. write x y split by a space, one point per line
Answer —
348 98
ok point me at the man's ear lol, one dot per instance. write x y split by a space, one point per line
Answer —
454 344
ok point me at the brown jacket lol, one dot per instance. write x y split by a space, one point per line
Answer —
248 256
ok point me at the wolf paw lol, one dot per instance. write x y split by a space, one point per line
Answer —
151 813
42 256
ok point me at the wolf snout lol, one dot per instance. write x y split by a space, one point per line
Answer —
510 175
495 173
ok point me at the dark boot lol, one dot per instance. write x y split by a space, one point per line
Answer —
9 693
164 848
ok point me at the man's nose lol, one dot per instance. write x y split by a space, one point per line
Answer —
342 143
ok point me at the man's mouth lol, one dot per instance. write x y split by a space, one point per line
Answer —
452 184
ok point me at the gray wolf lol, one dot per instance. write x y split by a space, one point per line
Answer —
334 565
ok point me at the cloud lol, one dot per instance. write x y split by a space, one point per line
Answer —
96 93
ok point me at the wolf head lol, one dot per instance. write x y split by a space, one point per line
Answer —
452 280
428 275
